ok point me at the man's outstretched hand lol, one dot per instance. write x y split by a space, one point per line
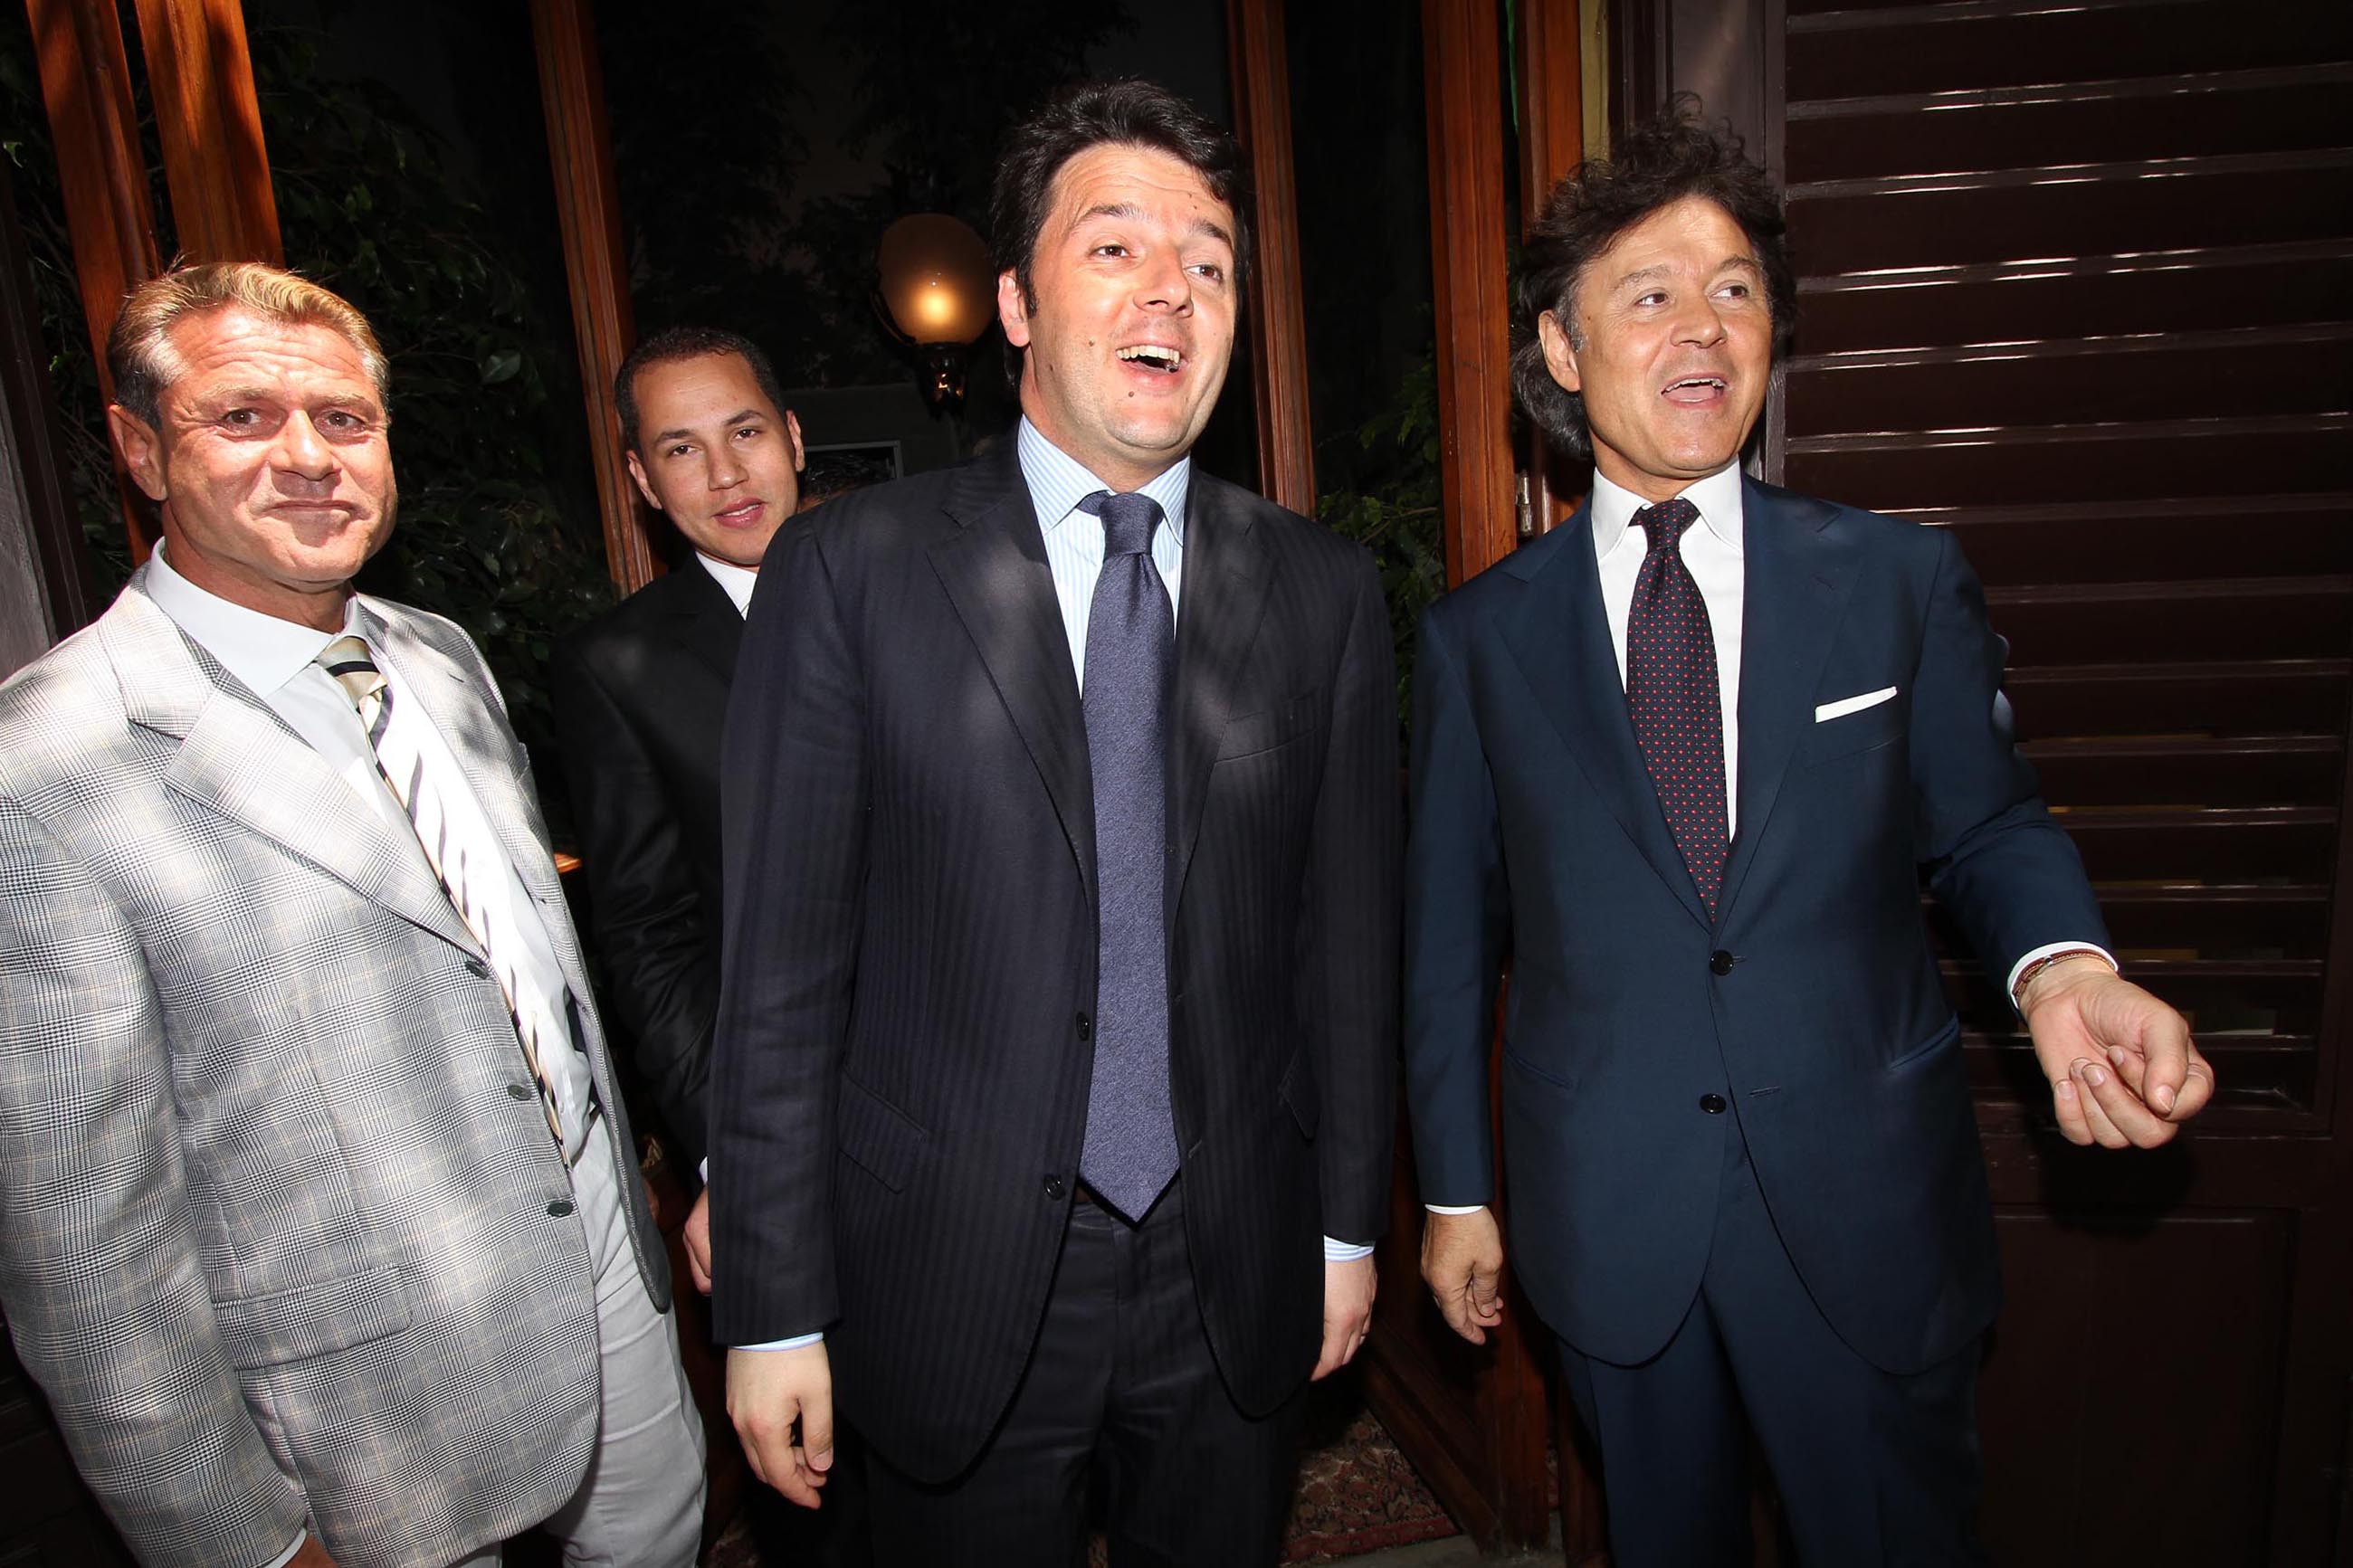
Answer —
2123 1069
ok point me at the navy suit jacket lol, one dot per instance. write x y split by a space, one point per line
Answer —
1810 1004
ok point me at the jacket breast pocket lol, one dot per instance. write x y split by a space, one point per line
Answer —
877 1136
1865 730
1248 734
312 1320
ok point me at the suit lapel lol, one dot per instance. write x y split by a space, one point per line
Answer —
1560 633
1228 572
239 758
1798 572
994 569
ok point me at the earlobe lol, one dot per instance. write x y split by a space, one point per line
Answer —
1012 312
1560 358
136 441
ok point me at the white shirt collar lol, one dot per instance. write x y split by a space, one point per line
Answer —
1612 509
262 651
1058 482
738 581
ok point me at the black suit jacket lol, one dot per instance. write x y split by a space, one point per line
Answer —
900 1086
640 697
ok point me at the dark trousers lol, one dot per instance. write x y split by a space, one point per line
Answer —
1872 1469
1121 1391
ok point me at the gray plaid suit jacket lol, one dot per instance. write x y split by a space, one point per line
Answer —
283 1233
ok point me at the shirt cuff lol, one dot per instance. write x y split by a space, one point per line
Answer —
1454 1208
2046 951
286 1556
795 1343
1345 1251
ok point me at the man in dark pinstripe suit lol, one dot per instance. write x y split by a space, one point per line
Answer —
929 1198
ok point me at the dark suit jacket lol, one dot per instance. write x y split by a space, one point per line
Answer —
1536 831
900 1087
640 697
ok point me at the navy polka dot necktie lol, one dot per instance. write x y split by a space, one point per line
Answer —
1671 690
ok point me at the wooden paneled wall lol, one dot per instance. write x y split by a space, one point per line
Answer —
2074 285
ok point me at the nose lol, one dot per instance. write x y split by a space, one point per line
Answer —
727 467
1163 284
302 450
1697 321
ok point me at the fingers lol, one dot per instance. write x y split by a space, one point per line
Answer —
2197 1089
2165 1042
1485 1297
2116 1116
816 1452
2067 1104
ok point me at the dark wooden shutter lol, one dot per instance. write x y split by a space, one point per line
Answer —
2077 283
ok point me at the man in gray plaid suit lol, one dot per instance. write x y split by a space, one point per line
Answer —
319 1220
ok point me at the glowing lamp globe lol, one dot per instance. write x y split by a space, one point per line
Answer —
939 290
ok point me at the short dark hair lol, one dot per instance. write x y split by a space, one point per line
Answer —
1673 156
673 343
1092 114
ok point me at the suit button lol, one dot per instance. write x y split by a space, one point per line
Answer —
559 1208
1057 1188
1086 1027
517 1091
1719 963
477 969
1712 1103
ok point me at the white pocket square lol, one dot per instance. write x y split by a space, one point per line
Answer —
1846 705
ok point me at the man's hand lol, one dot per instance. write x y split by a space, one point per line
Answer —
767 1392
312 1554
1347 1313
697 1236
1462 1264
2123 1071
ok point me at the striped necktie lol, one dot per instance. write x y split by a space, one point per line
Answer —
472 879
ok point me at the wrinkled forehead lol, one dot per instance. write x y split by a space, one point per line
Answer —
236 344
1138 182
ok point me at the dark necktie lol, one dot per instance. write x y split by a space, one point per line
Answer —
1131 677
1671 690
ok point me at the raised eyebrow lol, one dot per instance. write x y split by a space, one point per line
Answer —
1213 229
1106 209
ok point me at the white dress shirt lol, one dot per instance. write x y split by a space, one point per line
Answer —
1713 550
736 581
277 660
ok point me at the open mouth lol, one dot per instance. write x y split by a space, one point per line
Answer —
1694 389
1154 356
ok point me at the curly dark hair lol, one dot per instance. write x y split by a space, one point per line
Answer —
1660 163
1091 114
674 344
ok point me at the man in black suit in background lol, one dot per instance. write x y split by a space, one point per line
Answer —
641 694
1052 1091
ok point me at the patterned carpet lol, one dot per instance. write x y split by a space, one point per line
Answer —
1356 1493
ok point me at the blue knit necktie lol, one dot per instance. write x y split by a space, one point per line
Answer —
1130 681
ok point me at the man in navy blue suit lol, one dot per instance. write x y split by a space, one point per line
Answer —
1682 761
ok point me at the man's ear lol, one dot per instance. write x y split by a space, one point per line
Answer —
638 472
1012 311
142 449
1560 358
793 429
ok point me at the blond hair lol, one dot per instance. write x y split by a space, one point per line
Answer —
138 350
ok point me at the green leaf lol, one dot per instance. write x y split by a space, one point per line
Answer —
501 366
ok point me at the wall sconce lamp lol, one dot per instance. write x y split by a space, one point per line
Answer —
938 294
